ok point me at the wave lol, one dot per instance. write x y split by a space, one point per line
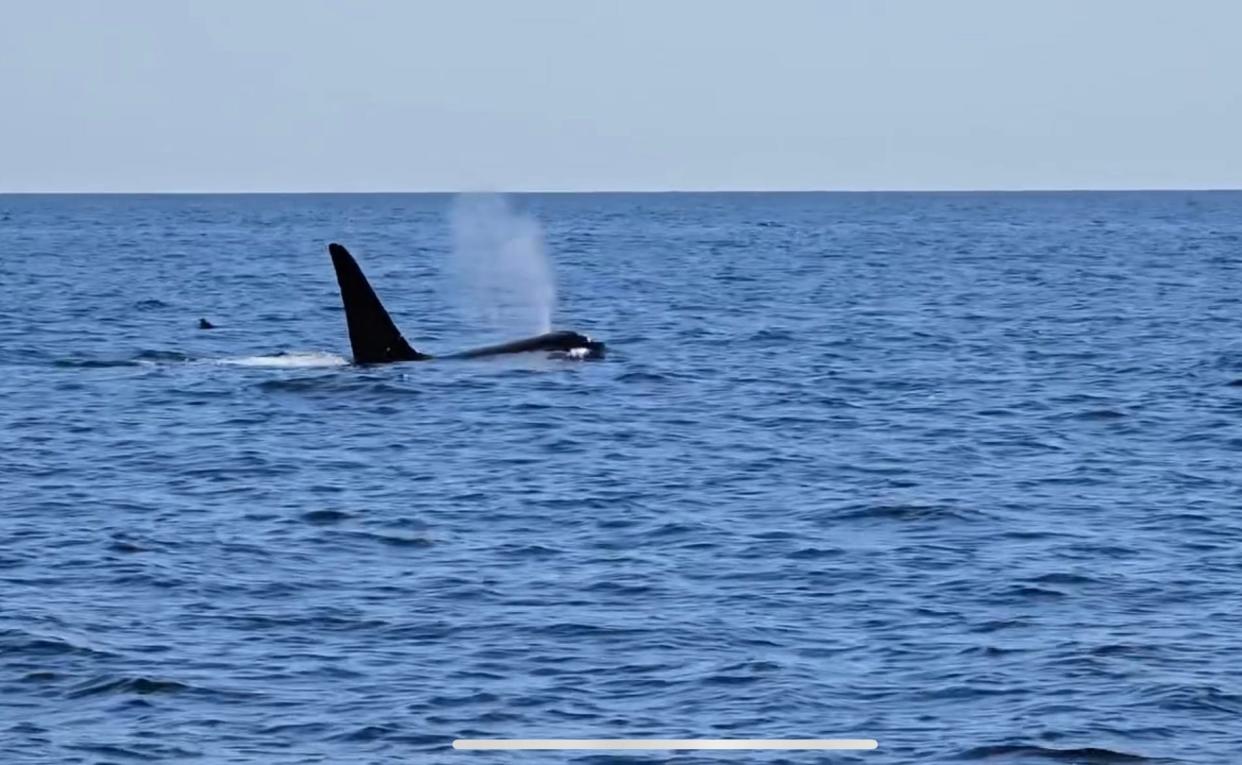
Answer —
137 685
1087 755
324 517
337 384
173 356
140 359
281 360
95 363
392 540
910 512
296 360
18 642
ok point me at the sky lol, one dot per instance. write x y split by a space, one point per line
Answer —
588 95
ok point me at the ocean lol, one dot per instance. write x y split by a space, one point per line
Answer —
957 472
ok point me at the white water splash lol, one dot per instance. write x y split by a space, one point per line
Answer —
305 360
501 266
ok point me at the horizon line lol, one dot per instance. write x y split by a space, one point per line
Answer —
584 192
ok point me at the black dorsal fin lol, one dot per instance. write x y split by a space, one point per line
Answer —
372 335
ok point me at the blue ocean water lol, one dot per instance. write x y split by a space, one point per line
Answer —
957 472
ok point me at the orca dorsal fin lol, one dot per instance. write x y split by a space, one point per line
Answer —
372 334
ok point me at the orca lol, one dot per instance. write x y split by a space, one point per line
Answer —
375 339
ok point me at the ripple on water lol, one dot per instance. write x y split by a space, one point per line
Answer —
326 517
1017 753
122 685
20 643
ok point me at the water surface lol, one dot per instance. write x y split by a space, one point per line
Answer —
957 472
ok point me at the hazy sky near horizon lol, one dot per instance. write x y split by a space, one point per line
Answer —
392 95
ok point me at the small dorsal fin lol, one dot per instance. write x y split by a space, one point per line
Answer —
372 334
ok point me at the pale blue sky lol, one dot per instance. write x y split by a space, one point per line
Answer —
397 95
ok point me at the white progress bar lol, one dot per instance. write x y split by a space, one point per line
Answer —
507 744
